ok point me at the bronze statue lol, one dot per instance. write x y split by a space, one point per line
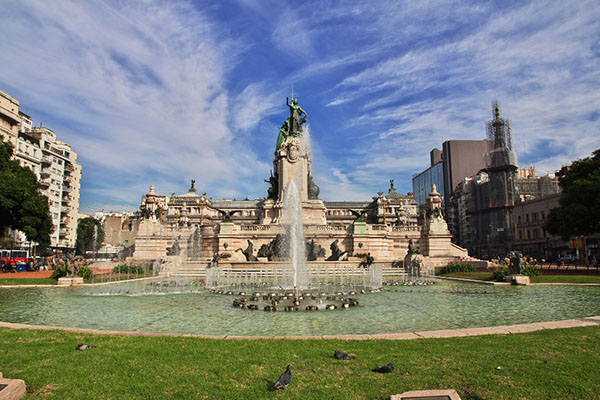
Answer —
359 214
314 251
336 253
249 252
227 214
283 133
516 262
411 248
273 190
295 124
313 189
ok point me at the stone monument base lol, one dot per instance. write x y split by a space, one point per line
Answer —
518 279
447 394
11 389
70 281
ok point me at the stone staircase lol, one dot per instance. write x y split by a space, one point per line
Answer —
199 272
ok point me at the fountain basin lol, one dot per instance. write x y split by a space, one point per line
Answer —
446 305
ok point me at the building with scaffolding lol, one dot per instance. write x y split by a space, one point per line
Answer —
481 208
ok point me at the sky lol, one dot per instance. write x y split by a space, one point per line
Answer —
162 92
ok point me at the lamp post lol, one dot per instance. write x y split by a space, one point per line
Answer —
203 201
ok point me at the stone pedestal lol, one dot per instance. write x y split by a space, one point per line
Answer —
11 389
70 281
447 394
518 279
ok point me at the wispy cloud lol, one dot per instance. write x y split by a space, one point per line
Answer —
163 92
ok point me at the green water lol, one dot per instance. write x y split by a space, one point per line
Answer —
446 305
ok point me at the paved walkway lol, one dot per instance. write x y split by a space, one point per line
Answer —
447 333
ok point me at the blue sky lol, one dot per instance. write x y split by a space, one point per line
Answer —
155 92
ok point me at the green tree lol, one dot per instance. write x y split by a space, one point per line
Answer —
578 213
22 206
86 239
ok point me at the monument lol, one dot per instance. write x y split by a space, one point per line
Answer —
250 232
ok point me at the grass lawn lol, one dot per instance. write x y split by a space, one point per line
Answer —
560 363
479 275
115 278
27 281
565 278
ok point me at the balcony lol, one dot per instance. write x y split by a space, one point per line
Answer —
46 160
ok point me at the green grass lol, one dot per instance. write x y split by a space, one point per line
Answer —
560 363
479 275
27 281
566 279
115 278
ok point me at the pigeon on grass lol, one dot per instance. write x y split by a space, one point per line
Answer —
340 355
384 368
82 346
284 380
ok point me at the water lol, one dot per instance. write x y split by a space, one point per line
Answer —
292 219
446 305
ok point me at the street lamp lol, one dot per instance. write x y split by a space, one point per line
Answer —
203 202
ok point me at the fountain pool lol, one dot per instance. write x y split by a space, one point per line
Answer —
446 305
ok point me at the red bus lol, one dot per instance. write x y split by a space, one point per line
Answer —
18 259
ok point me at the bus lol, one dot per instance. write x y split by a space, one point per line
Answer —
18 259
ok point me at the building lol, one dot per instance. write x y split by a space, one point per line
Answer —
60 178
120 230
458 159
9 118
54 164
195 227
530 237
480 211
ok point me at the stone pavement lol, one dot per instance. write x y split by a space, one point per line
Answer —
446 333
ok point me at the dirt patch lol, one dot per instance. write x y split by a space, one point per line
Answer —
27 274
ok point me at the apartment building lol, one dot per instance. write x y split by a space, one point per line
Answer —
53 162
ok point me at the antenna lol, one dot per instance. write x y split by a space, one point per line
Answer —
525 151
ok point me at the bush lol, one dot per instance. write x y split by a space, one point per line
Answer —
500 273
457 267
59 272
531 271
129 269
85 273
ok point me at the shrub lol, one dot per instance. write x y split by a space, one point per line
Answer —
500 273
59 272
531 271
457 267
129 269
85 273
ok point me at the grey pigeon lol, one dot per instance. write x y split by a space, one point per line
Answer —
340 355
82 346
384 368
284 380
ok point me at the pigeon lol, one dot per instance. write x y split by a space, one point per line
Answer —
82 346
384 368
340 355
284 380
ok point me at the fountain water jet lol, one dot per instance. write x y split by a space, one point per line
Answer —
292 219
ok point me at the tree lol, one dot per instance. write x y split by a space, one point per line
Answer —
88 238
578 213
22 206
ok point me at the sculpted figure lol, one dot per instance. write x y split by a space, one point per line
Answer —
295 124
283 133
273 188
516 262
313 189
249 252
336 253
